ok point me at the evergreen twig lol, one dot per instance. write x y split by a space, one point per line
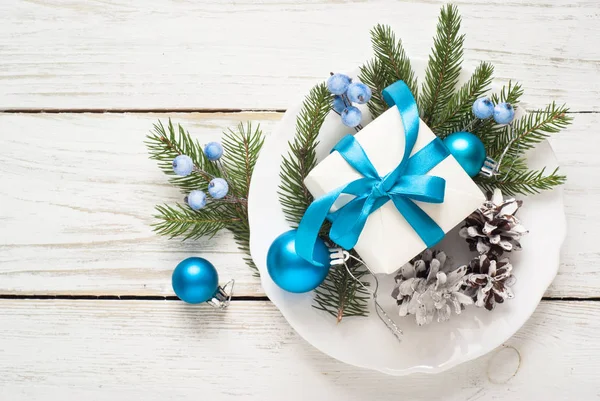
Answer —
164 146
301 157
524 181
181 221
241 149
444 66
389 65
340 295
461 102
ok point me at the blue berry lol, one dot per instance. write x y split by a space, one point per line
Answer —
483 108
504 113
359 93
183 165
218 188
196 200
213 151
338 83
338 104
351 116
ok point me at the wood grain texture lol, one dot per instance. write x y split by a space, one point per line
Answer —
124 350
78 195
211 54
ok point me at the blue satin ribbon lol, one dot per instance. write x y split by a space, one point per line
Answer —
403 185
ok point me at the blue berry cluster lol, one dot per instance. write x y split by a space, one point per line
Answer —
346 93
503 113
218 188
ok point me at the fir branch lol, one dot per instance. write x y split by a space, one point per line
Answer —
460 104
523 181
181 221
241 149
389 65
532 129
164 147
444 66
340 295
373 75
491 134
301 158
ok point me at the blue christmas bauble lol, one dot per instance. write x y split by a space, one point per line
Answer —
291 272
468 150
195 280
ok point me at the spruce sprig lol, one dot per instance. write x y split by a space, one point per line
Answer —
389 65
301 157
532 129
524 181
181 221
443 67
241 148
164 146
460 103
340 295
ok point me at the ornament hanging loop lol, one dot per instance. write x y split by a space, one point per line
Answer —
222 297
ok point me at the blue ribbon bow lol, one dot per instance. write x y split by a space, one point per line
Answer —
406 183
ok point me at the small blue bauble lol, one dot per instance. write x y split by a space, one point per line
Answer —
351 116
213 151
338 83
292 273
196 200
218 188
338 104
504 113
195 280
468 150
483 108
359 93
183 165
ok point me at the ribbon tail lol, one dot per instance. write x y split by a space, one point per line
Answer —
310 225
349 223
420 221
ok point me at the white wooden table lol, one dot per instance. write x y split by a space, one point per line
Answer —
83 279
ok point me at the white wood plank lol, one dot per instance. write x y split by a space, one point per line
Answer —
264 54
124 350
77 194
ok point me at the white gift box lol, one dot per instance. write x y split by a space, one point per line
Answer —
387 241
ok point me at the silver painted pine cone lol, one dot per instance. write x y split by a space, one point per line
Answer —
427 288
489 281
493 228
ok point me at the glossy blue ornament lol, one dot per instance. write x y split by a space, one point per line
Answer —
291 272
468 150
195 280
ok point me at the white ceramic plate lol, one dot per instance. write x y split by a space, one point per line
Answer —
366 342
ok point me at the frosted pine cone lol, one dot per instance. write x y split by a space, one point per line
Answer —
493 228
489 281
427 288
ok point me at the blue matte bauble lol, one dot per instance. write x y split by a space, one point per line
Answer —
468 150
195 280
292 273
